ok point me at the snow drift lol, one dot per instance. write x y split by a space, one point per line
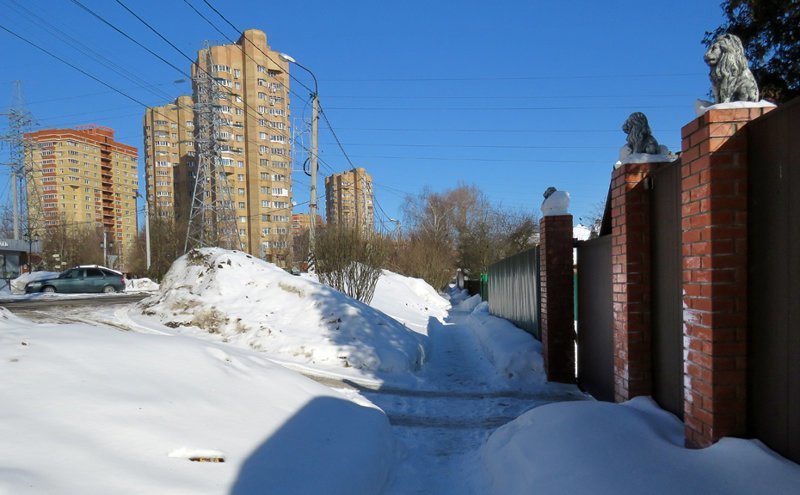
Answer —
630 448
253 303
90 410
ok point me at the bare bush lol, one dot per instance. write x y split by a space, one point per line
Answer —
350 261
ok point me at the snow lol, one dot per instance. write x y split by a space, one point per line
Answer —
629 448
91 410
556 204
252 303
662 157
409 300
581 232
703 106
514 353
140 285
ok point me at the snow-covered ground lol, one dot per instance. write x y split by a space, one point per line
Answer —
87 408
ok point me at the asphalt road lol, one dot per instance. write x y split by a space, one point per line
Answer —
45 303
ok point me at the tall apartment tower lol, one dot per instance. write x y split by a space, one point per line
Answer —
348 199
83 177
169 155
252 132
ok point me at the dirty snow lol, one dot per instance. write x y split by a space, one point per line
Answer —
249 302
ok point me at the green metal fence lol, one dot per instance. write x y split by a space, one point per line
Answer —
512 288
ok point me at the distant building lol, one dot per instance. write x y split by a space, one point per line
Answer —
348 199
254 138
83 177
301 223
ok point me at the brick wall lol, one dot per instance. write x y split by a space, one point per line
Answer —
714 239
557 312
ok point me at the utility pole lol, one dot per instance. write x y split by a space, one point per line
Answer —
147 232
312 205
105 248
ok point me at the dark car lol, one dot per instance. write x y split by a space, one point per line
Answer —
80 279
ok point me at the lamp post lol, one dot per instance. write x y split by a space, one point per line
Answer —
146 229
30 238
313 165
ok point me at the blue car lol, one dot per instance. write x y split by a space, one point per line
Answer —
81 279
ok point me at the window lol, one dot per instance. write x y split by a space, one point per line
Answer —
277 139
241 205
277 151
264 176
261 68
237 72
240 177
279 112
275 100
265 231
242 219
263 149
240 191
277 125
280 191
261 82
278 177
240 164
263 109
263 96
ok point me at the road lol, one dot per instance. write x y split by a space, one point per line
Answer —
69 309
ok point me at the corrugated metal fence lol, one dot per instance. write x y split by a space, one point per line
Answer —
514 290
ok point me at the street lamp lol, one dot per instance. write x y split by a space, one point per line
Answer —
312 204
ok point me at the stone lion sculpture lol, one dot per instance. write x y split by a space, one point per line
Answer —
731 79
640 138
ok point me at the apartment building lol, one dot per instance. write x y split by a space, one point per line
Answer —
253 137
169 156
83 177
348 199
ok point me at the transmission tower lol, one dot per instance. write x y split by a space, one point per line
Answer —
25 198
212 218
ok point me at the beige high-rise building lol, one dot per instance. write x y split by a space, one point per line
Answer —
83 177
169 155
254 141
348 199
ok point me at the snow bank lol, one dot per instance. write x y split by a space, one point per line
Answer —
630 448
469 303
252 303
515 353
93 411
409 300
140 285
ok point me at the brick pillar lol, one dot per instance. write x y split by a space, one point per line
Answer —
714 223
630 265
557 313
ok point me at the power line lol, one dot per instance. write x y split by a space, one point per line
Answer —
521 78
9 31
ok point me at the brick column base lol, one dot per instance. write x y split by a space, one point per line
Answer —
557 313
714 223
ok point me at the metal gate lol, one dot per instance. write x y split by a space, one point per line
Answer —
595 318
666 287
774 279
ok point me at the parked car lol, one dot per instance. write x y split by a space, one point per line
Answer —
84 278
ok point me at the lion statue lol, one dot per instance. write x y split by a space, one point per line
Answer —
640 138
731 79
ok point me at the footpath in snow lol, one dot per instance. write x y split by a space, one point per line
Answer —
461 398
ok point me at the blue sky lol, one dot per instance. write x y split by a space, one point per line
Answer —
513 96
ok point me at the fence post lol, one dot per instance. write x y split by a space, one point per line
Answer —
557 312
630 272
714 224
